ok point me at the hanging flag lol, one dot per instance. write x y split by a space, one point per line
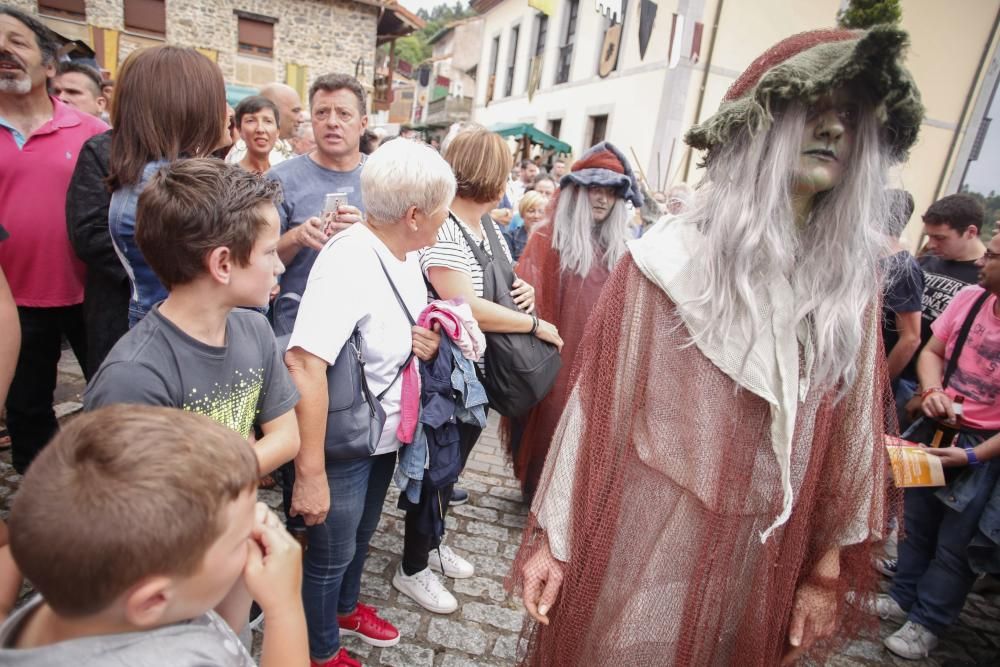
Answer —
611 8
647 16
534 76
547 7
611 46
404 68
676 37
490 87
696 41
424 75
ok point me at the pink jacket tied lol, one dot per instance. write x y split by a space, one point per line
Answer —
456 321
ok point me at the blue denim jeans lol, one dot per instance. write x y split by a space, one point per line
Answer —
933 577
337 548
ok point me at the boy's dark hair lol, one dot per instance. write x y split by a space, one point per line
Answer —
253 104
331 83
525 163
958 211
120 494
902 209
190 207
43 36
86 70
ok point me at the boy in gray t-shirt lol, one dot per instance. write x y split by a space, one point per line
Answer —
137 526
210 232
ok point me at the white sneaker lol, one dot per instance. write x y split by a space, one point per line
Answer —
881 605
450 564
888 609
425 589
912 641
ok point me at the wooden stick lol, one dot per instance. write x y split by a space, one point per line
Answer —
687 149
670 161
638 166
659 171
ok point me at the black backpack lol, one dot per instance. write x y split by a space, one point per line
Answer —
520 368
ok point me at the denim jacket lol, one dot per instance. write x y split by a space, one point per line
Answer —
970 483
147 290
468 406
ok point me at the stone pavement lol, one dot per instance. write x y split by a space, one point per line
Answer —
484 630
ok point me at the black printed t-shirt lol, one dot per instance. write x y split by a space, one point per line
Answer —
903 293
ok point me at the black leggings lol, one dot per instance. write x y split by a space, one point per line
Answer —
417 542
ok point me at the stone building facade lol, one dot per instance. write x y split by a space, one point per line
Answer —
307 37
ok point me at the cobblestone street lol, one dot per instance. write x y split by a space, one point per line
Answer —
484 631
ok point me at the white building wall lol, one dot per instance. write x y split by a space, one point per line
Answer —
628 96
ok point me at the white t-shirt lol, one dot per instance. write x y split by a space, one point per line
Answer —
347 288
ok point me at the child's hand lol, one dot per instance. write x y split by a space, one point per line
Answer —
273 572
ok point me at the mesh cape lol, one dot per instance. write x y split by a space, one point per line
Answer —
660 481
565 299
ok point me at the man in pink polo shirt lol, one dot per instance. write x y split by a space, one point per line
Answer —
39 141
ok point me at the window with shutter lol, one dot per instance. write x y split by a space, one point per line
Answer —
256 37
73 9
146 16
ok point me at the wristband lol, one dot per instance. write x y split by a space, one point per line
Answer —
971 453
534 324
928 392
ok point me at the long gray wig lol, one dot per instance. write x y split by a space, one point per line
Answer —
579 241
744 208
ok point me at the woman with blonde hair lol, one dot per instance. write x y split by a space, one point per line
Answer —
481 162
532 210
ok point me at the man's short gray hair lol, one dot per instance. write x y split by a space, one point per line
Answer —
401 174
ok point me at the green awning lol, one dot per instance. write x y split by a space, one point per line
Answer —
534 135
236 92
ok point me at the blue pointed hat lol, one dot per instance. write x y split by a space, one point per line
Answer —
605 165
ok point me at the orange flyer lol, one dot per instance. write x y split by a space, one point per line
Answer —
912 466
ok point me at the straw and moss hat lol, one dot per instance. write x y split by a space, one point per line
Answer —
810 64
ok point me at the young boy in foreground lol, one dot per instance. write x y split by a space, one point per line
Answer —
133 524
209 230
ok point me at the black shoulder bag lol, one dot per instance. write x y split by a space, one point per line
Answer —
520 368
355 417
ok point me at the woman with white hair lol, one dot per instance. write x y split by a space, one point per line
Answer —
569 260
716 484
361 281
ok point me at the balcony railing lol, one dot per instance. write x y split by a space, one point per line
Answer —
449 109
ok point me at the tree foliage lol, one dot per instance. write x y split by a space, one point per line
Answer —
991 203
415 48
861 14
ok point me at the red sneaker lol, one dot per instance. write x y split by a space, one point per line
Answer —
340 659
369 627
